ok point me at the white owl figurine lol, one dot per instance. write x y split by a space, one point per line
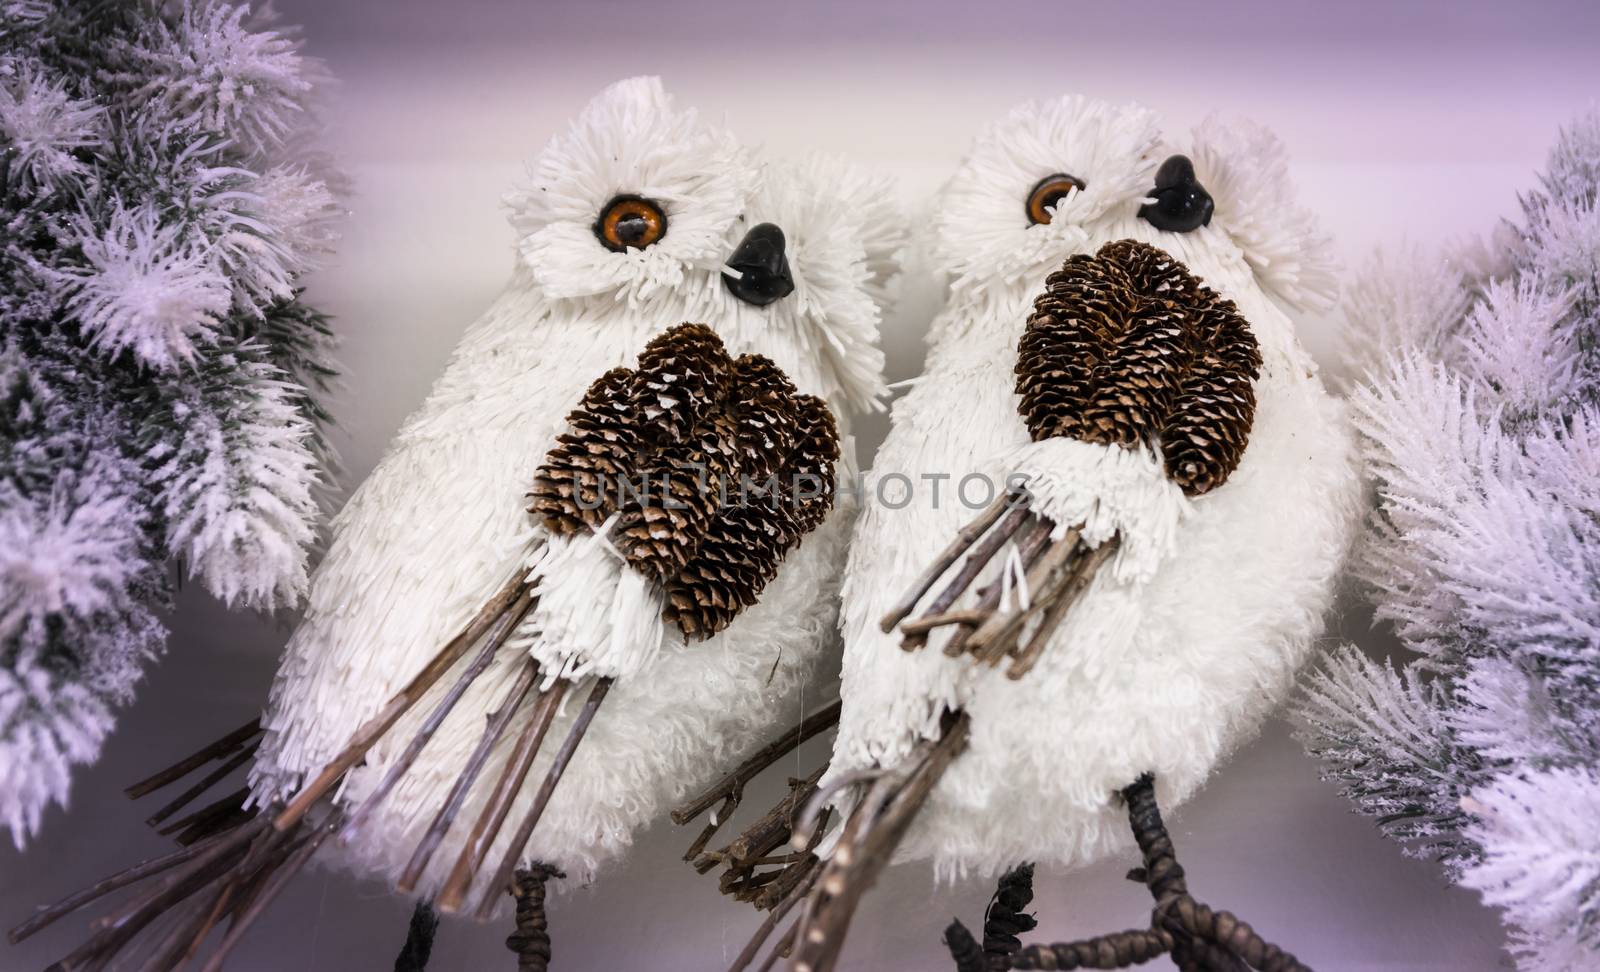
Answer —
979 728
638 219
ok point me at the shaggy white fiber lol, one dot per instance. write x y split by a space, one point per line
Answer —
1174 657
440 524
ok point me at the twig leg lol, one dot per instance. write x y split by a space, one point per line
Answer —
1198 938
531 941
418 946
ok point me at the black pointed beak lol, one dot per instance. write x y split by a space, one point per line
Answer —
1180 204
758 271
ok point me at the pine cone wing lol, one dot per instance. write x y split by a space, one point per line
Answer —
1129 348
577 486
714 467
760 523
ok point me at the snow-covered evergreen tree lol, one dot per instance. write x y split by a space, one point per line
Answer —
1480 406
160 378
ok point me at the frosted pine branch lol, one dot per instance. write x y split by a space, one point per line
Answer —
1541 861
1385 737
216 70
76 583
237 486
47 129
146 290
1478 407
162 385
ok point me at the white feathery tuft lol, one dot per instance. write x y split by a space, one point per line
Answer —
983 237
1107 490
595 615
630 139
842 247
1245 167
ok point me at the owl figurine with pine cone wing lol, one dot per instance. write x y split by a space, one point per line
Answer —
600 561
1102 532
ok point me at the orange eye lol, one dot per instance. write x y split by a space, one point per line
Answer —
1048 192
630 223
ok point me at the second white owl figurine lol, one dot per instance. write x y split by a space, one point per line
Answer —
1020 665
550 610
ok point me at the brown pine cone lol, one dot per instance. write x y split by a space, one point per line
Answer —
738 557
763 401
1072 329
716 467
578 484
679 493
1135 386
1205 435
1127 347
681 374
807 478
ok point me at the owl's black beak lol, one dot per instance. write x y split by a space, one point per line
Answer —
758 271
1180 203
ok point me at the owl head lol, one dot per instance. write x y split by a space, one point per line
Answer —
643 210
1055 177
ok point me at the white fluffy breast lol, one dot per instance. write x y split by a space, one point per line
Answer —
1164 674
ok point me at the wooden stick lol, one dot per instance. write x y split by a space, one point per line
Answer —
214 810
732 785
1033 541
296 860
809 824
224 844
911 637
833 902
115 882
921 626
185 937
237 892
770 896
719 816
201 829
492 731
541 799
1081 577
773 829
978 559
774 917
402 701
1041 579
1045 579
479 664
190 763
111 932
966 537
206 782
495 809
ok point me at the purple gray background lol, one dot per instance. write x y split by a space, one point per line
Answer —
1414 123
